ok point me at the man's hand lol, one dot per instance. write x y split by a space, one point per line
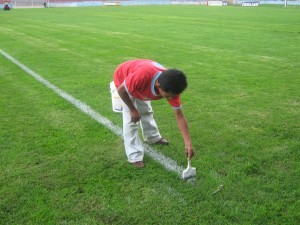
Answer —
189 151
135 115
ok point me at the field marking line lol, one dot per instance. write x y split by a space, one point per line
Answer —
165 161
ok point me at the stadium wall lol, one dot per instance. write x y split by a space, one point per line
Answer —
82 3
267 2
279 2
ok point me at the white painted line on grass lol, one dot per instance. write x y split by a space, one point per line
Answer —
166 162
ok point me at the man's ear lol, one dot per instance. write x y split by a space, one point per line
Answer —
157 85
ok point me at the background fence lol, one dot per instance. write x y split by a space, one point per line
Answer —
78 3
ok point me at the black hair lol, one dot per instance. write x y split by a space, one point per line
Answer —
172 81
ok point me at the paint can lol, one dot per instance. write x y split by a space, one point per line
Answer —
115 98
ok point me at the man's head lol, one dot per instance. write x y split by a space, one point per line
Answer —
172 81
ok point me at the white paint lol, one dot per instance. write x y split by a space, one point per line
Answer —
166 162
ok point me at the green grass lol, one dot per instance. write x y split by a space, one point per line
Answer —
58 166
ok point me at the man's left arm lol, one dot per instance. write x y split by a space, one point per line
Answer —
184 130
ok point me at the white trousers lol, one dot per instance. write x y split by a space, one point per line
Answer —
133 144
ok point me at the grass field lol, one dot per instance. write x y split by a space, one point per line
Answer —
59 166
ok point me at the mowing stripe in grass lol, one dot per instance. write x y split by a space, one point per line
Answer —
166 162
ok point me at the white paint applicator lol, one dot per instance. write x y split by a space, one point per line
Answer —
189 172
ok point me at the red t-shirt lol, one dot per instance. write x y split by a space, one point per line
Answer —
139 77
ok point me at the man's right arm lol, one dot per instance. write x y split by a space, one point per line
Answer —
135 115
